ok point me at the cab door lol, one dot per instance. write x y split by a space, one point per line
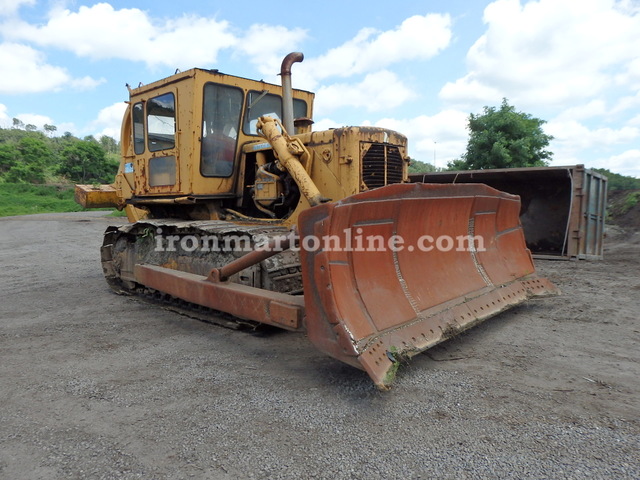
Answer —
155 145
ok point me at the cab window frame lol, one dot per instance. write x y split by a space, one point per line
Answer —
161 133
222 114
137 118
255 99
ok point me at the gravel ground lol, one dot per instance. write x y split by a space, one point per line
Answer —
96 385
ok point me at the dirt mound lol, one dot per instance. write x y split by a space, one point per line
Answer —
624 209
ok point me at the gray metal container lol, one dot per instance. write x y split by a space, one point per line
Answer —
563 208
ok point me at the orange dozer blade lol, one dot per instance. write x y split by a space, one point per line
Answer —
391 272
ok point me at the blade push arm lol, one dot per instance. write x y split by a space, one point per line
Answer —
288 151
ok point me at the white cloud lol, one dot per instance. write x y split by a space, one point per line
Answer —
575 143
26 71
109 121
547 51
378 91
443 135
266 46
574 61
64 127
573 135
631 76
101 32
34 119
627 163
631 7
623 104
9 7
470 91
86 83
594 108
5 121
417 38
326 124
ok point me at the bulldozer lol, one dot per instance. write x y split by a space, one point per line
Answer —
241 214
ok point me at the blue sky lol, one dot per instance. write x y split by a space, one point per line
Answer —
418 67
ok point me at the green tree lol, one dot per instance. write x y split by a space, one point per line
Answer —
8 156
109 144
416 166
25 173
85 161
33 162
50 129
504 138
31 156
619 182
35 150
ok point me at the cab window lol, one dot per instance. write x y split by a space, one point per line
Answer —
138 128
264 103
220 127
161 122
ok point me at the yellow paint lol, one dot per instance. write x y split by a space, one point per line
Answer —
167 173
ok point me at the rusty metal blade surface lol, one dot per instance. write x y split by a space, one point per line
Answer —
273 308
390 272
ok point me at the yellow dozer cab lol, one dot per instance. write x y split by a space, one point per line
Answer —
237 206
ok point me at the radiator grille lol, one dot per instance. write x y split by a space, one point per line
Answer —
381 165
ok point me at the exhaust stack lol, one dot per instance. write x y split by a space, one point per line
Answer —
287 94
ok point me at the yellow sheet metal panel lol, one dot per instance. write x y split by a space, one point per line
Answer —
100 196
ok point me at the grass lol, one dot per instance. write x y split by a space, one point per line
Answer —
26 199
117 213
630 201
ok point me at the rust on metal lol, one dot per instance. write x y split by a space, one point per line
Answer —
287 95
250 303
562 210
373 307
275 246
101 196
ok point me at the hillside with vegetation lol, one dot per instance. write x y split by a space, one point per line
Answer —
39 168
28 155
616 182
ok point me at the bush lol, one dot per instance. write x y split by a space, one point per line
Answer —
86 162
